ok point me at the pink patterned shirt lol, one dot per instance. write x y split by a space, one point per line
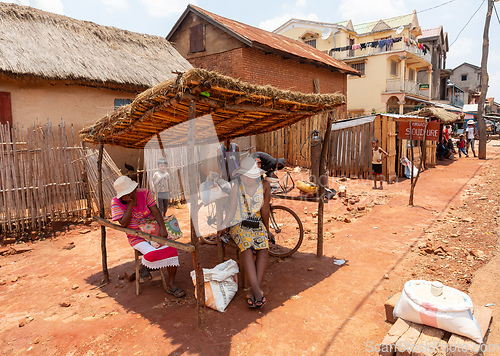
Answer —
144 200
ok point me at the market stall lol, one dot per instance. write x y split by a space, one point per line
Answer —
236 109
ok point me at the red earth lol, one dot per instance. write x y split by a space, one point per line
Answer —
51 306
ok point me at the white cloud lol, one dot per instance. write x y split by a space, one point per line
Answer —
166 8
116 4
274 23
360 11
494 86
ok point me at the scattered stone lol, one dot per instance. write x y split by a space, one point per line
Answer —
310 269
15 279
386 276
314 214
2 282
101 296
36 341
86 231
361 208
70 246
24 321
75 286
65 304
349 208
347 220
4 249
22 248
478 253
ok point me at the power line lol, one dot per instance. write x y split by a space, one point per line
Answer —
467 23
498 18
431 8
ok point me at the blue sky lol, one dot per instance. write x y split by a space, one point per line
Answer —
157 17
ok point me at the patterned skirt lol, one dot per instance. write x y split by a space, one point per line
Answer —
247 237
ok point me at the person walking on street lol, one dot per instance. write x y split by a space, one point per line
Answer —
471 135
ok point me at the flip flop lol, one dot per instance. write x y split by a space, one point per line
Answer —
250 303
260 303
176 292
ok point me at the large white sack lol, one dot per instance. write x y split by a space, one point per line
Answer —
451 311
220 284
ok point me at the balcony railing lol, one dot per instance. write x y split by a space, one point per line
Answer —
395 47
396 86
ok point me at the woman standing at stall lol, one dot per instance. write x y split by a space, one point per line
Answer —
249 220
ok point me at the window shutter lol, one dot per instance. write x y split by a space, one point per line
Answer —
197 39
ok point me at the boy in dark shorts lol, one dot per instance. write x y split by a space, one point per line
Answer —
378 154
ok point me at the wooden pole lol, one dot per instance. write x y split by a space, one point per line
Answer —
422 159
193 201
101 214
322 182
481 125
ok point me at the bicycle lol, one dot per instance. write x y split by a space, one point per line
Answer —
284 223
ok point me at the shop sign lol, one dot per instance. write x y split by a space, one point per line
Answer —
423 86
417 130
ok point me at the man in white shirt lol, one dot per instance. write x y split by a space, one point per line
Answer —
471 133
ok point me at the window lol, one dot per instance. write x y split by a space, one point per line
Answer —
122 102
464 77
411 75
197 39
394 68
311 42
359 66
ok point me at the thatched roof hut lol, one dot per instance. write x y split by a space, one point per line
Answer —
444 116
50 46
237 108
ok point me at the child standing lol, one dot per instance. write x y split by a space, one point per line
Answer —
461 146
160 183
378 154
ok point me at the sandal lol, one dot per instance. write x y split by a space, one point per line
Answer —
250 303
145 274
260 303
176 292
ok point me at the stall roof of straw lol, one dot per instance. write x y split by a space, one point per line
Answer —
440 113
237 108
42 44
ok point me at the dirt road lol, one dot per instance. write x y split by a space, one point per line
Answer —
50 305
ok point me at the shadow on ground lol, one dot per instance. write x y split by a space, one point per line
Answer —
285 278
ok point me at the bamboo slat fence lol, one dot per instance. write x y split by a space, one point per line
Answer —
43 178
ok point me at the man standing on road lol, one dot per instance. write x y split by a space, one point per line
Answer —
471 135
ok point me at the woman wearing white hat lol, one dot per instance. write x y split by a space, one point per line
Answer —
129 208
249 220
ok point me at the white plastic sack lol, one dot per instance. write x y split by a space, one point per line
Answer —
408 166
220 284
451 311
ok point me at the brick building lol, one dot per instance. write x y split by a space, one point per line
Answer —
256 56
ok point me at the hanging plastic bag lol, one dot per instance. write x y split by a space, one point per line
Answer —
408 166
213 189
220 284
450 311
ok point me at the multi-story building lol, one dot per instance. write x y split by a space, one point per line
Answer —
468 77
396 69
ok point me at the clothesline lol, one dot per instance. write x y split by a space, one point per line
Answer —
380 43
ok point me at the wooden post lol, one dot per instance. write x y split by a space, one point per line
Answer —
322 183
101 214
200 280
422 159
86 183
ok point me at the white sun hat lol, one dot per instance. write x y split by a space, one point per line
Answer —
124 185
248 167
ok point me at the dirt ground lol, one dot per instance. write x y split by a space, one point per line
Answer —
50 304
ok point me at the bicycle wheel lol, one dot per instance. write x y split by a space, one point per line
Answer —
288 231
207 223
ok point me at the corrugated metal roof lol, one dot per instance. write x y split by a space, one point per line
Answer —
430 32
252 35
392 22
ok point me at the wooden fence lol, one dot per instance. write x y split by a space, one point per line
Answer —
41 178
293 143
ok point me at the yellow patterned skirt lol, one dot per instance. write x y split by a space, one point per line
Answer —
246 237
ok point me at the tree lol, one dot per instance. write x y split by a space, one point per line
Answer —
481 125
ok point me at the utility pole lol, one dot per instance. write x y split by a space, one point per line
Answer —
481 126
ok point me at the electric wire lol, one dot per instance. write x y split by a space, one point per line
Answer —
494 7
467 23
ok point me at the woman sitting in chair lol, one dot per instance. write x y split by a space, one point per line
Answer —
249 221
129 208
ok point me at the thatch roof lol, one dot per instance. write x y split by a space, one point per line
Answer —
237 109
43 44
443 115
